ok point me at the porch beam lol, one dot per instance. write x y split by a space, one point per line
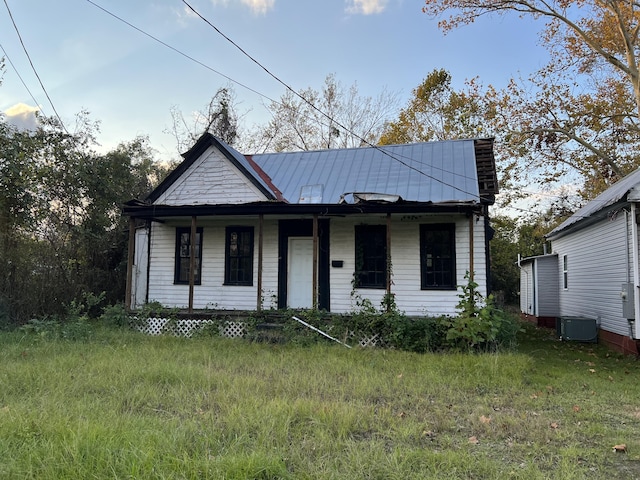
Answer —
130 259
260 240
192 260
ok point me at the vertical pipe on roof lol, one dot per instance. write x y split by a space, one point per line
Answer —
260 226
131 248
192 260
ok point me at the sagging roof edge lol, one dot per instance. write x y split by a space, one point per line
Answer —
139 210
204 142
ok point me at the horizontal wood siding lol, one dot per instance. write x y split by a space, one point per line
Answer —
405 259
212 293
526 288
598 262
139 270
547 285
405 253
211 180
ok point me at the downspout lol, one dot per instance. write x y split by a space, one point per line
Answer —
636 268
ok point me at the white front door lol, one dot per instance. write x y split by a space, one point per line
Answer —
300 274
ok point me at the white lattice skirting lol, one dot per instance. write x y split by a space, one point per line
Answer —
187 327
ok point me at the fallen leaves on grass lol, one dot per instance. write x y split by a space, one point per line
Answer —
474 440
554 425
485 420
576 408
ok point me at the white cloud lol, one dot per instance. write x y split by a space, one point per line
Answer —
259 7
22 116
366 7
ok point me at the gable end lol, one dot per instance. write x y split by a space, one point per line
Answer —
204 142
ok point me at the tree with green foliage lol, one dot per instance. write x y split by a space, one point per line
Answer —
437 112
62 235
577 118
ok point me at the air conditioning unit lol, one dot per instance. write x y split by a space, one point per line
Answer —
577 329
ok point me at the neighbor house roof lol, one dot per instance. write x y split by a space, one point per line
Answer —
619 191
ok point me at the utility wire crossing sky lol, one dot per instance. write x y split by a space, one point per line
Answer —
129 63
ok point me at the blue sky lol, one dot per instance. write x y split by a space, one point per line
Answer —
89 60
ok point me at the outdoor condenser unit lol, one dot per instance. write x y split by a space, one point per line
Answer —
577 329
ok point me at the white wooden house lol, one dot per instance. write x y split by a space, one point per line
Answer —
597 266
539 289
315 229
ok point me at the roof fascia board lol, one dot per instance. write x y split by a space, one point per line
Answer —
156 211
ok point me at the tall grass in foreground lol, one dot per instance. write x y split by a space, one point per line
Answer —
123 405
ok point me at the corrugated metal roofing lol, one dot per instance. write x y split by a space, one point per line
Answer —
422 172
610 196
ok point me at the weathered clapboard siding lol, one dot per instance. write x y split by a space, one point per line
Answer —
526 289
547 300
212 293
139 268
597 266
211 180
539 283
405 255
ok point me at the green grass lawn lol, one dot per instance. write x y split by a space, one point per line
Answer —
123 405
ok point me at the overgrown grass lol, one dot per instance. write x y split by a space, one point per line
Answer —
117 404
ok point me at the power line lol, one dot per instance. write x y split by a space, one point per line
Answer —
179 52
364 141
34 69
279 81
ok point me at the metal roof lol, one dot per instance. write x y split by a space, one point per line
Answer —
422 172
616 192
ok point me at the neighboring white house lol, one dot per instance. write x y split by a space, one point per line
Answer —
597 266
539 289
315 229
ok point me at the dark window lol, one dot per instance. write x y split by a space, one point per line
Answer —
565 272
239 256
371 256
183 255
438 256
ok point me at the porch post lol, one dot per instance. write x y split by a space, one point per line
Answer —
389 266
259 299
192 260
315 262
130 259
471 267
